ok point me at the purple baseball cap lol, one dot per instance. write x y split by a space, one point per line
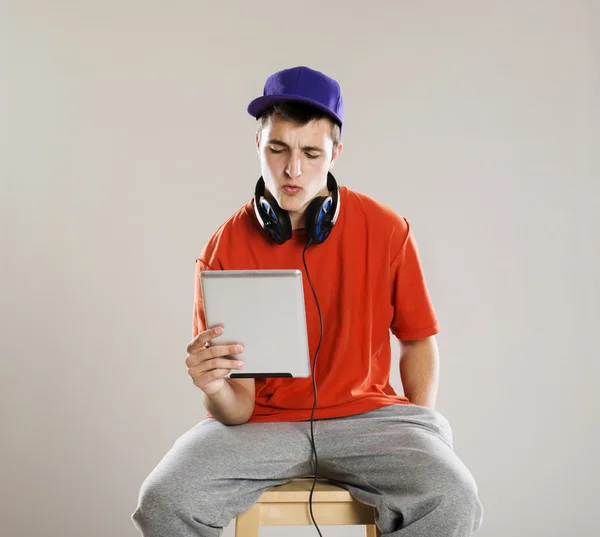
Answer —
301 84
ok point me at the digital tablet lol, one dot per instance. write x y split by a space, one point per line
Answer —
264 311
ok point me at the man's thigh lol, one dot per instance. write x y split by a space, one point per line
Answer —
214 471
211 450
400 460
394 446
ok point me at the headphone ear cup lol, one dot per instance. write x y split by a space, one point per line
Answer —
318 217
276 221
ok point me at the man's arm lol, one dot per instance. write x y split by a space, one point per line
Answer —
419 371
234 404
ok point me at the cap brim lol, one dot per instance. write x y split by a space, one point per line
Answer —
259 105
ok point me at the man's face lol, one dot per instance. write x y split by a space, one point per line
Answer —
294 163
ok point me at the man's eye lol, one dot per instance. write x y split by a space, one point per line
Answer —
282 150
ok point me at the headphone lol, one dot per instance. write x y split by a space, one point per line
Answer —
319 218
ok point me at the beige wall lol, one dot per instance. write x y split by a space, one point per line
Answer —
125 143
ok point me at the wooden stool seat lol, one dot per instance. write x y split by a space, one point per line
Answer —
288 505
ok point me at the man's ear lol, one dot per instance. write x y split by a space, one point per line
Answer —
336 155
258 142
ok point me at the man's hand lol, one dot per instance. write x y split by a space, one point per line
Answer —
207 365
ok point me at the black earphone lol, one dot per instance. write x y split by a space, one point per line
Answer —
319 219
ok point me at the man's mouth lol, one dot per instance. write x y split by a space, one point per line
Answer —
291 189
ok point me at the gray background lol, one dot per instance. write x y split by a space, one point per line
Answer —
125 143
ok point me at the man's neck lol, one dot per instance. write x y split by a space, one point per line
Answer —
297 220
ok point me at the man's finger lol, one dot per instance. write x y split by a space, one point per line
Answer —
200 341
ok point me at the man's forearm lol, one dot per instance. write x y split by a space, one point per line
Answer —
419 371
231 406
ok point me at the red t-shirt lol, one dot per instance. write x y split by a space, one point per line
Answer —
368 280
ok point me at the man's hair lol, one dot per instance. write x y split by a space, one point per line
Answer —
301 114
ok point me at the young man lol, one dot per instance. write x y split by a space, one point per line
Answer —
393 452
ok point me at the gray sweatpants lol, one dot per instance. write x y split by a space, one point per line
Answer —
397 458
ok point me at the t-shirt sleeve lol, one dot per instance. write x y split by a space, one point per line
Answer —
414 316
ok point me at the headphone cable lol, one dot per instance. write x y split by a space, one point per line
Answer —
312 436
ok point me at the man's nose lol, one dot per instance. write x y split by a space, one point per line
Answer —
294 167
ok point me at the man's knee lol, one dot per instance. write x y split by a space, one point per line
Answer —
155 504
166 503
459 492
